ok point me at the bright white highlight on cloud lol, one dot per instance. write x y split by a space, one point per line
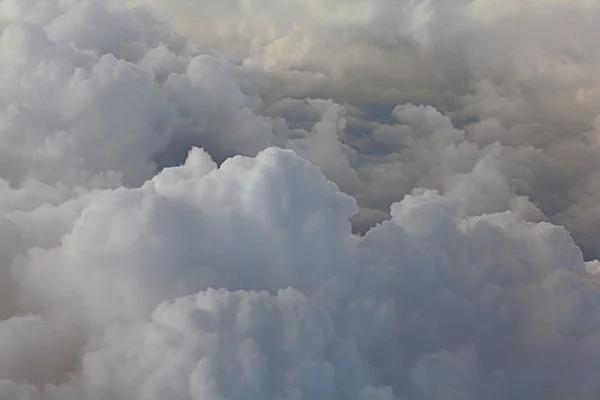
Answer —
179 184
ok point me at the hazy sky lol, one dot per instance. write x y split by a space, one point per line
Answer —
180 182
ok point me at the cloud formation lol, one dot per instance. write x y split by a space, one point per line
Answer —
518 73
180 182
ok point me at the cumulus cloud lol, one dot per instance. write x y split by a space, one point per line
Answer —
428 305
518 73
180 183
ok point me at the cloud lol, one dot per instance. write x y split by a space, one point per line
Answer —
179 184
504 71
431 303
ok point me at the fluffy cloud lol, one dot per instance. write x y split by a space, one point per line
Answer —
518 73
430 304
177 183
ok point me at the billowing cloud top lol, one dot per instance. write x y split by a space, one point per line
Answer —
180 182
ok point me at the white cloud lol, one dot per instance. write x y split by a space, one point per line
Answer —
428 304
174 222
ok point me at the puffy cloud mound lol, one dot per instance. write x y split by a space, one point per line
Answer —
176 216
519 73
244 281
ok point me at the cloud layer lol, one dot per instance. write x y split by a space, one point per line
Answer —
180 182
519 73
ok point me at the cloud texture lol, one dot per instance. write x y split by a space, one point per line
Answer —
179 184
522 74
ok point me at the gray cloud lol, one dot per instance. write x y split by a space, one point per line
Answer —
521 74
179 182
